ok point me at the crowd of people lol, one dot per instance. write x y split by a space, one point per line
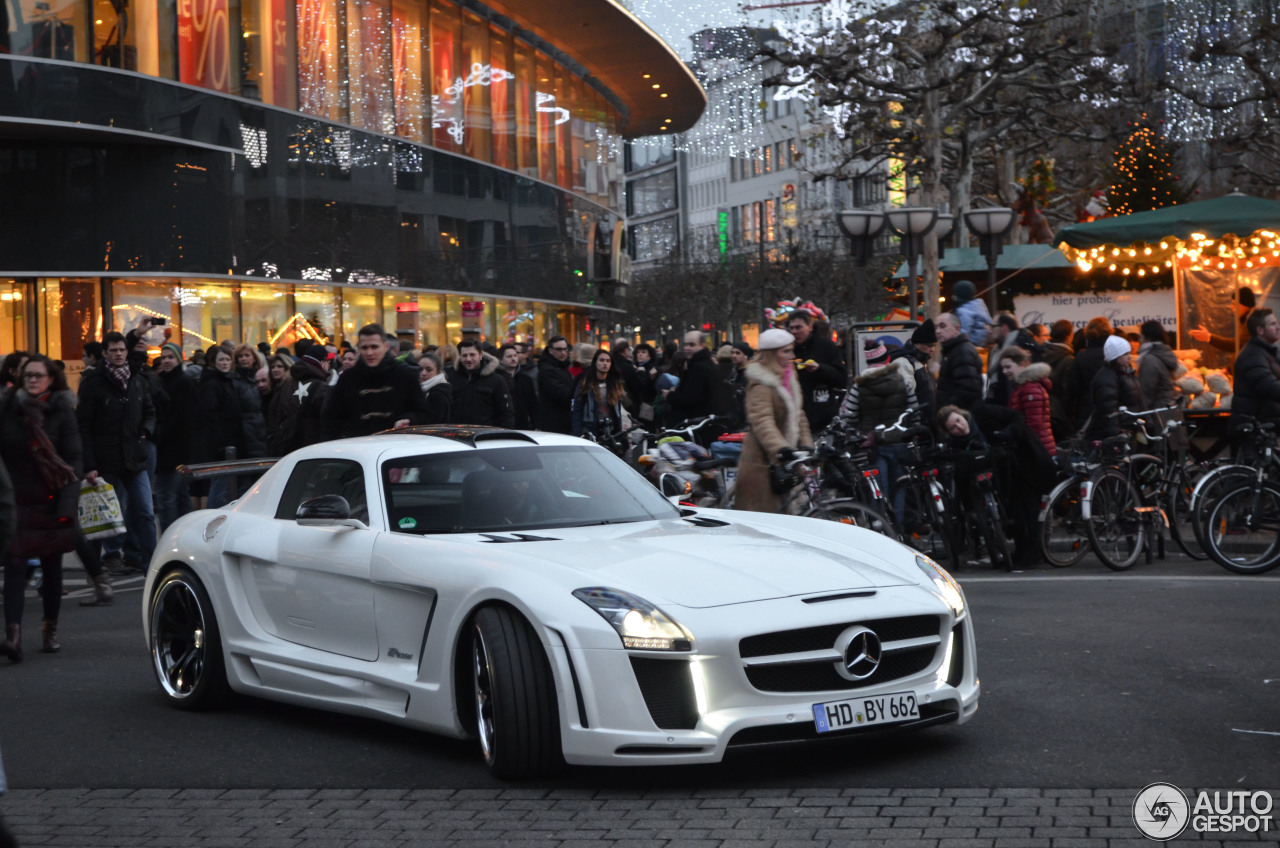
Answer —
134 420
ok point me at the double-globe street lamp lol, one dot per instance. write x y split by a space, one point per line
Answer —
991 224
911 223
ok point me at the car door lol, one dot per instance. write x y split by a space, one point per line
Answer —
314 589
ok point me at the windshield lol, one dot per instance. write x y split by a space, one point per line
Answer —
524 488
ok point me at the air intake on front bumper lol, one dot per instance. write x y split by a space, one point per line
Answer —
667 686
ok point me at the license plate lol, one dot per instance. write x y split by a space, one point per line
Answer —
865 712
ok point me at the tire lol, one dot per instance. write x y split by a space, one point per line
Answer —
1115 529
1064 539
922 527
517 718
1181 520
991 526
847 511
186 645
1209 491
1243 531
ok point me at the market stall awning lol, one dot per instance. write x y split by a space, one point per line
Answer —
1234 214
964 260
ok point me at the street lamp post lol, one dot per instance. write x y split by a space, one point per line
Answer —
912 224
991 224
861 226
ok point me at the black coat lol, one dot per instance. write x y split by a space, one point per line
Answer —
824 387
368 400
926 385
481 397
700 391
293 419
1257 382
1060 360
46 520
555 395
115 423
1113 387
960 378
524 396
1088 362
439 400
233 413
182 440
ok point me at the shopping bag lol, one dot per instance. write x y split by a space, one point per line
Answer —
100 515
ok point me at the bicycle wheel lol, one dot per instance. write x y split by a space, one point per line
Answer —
1178 510
925 523
1115 527
1244 530
991 526
1064 540
1208 491
849 511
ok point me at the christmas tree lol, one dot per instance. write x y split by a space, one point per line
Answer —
1142 175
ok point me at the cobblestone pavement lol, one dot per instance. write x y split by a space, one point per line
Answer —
565 818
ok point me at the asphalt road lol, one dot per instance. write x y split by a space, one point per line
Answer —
1090 680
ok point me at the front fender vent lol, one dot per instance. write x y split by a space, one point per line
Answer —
667 686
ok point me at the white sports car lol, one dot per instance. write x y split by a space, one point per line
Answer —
532 591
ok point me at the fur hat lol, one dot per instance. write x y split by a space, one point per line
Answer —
926 333
1115 347
775 339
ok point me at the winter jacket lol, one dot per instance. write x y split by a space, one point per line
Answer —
1060 360
822 388
439 396
1031 397
115 423
294 417
1257 383
879 396
590 417
524 397
1088 362
926 384
182 439
1156 367
46 517
233 413
775 420
555 395
1113 386
960 379
481 397
999 388
368 400
700 391
974 320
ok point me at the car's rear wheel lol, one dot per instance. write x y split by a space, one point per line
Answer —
186 647
517 719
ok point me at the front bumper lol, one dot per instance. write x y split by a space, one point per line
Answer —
644 708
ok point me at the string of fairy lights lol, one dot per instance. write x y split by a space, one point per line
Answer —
1197 252
1144 164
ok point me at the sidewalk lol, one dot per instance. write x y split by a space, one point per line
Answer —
561 818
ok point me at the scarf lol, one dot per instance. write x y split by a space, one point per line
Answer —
434 381
54 470
119 373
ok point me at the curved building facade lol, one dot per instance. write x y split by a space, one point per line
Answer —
271 169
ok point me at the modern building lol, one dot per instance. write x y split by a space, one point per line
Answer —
271 169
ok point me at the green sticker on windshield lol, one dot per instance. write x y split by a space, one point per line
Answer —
408 523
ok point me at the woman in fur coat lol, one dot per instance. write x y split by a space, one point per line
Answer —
1030 395
776 425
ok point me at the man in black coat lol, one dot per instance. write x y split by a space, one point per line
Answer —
701 389
822 370
181 441
1257 371
117 418
960 378
1089 361
1061 359
480 394
520 385
377 394
555 388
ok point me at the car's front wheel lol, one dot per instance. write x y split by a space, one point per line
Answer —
186 647
515 702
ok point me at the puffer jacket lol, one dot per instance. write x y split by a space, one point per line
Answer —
46 517
879 396
1115 385
960 379
1257 383
481 396
1156 367
1031 397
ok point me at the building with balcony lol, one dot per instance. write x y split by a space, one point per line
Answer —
272 169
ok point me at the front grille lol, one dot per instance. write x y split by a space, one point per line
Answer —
817 638
667 686
822 676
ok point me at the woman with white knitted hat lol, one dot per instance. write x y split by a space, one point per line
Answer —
1115 385
776 424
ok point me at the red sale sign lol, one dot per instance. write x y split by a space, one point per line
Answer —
204 44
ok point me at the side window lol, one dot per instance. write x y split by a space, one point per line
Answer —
314 477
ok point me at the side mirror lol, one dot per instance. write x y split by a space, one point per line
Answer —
326 511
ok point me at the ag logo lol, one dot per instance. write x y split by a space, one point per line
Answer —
1161 811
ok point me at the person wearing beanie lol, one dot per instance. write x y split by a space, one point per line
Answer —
879 396
1245 301
972 312
1157 367
919 353
1115 385
775 418
736 383
293 417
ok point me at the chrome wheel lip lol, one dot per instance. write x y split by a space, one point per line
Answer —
482 677
178 653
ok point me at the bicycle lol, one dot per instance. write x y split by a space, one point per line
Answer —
1242 533
1256 440
1064 537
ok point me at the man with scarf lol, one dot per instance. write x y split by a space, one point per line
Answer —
117 419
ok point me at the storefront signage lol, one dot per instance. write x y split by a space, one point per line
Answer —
1121 308
722 231
472 308
408 306
204 44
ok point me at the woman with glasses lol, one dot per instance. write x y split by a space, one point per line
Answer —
40 445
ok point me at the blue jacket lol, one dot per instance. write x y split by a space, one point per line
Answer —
974 320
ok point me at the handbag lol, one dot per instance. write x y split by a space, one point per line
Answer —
100 514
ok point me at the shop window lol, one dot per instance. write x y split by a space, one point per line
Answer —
207 316
407 68
318 307
447 122
206 56
267 43
359 307
369 65
319 39
45 30
264 315
502 95
526 114
477 77
431 319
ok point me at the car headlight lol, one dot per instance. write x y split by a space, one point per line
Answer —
640 624
947 586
